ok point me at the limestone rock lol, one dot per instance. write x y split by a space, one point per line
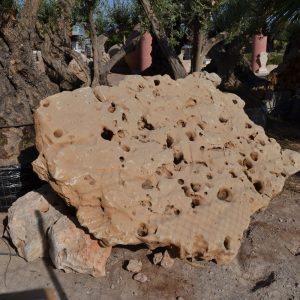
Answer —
213 77
167 262
140 277
134 266
160 162
157 257
71 249
28 220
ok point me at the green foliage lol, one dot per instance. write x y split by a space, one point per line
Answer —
275 58
49 12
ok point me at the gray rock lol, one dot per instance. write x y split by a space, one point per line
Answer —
29 219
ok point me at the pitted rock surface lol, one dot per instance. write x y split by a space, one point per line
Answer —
160 162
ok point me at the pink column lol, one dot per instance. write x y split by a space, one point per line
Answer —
145 51
259 45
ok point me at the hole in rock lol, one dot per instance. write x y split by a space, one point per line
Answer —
181 123
190 102
156 82
202 148
143 230
141 87
201 126
258 186
248 125
191 135
178 158
209 176
263 143
121 158
247 163
112 108
223 120
126 148
186 190
143 123
121 134
233 175
107 134
223 194
195 187
180 181
46 103
58 133
124 118
254 156
195 202
147 185
227 243
234 101
170 141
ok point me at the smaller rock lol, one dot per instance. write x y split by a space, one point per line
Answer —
72 249
167 262
157 258
140 277
134 266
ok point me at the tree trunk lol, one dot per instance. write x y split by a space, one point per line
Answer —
168 51
129 46
95 44
202 45
21 85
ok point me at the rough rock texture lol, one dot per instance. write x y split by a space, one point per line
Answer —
71 249
160 162
134 266
28 220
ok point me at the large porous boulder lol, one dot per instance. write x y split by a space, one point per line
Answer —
160 162
29 218
71 249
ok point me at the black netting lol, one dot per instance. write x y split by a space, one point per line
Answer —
15 181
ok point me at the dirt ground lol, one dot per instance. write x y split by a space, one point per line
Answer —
267 266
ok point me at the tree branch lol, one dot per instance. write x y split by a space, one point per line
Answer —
168 51
214 41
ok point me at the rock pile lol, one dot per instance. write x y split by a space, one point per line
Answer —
38 227
160 162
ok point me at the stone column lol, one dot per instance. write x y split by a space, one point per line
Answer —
145 51
259 45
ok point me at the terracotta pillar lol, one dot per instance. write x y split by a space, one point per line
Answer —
145 51
259 45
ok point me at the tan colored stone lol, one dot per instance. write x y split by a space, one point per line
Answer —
71 249
29 219
134 266
167 262
140 277
160 162
157 257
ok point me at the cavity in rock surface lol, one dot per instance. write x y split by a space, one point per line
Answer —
160 162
